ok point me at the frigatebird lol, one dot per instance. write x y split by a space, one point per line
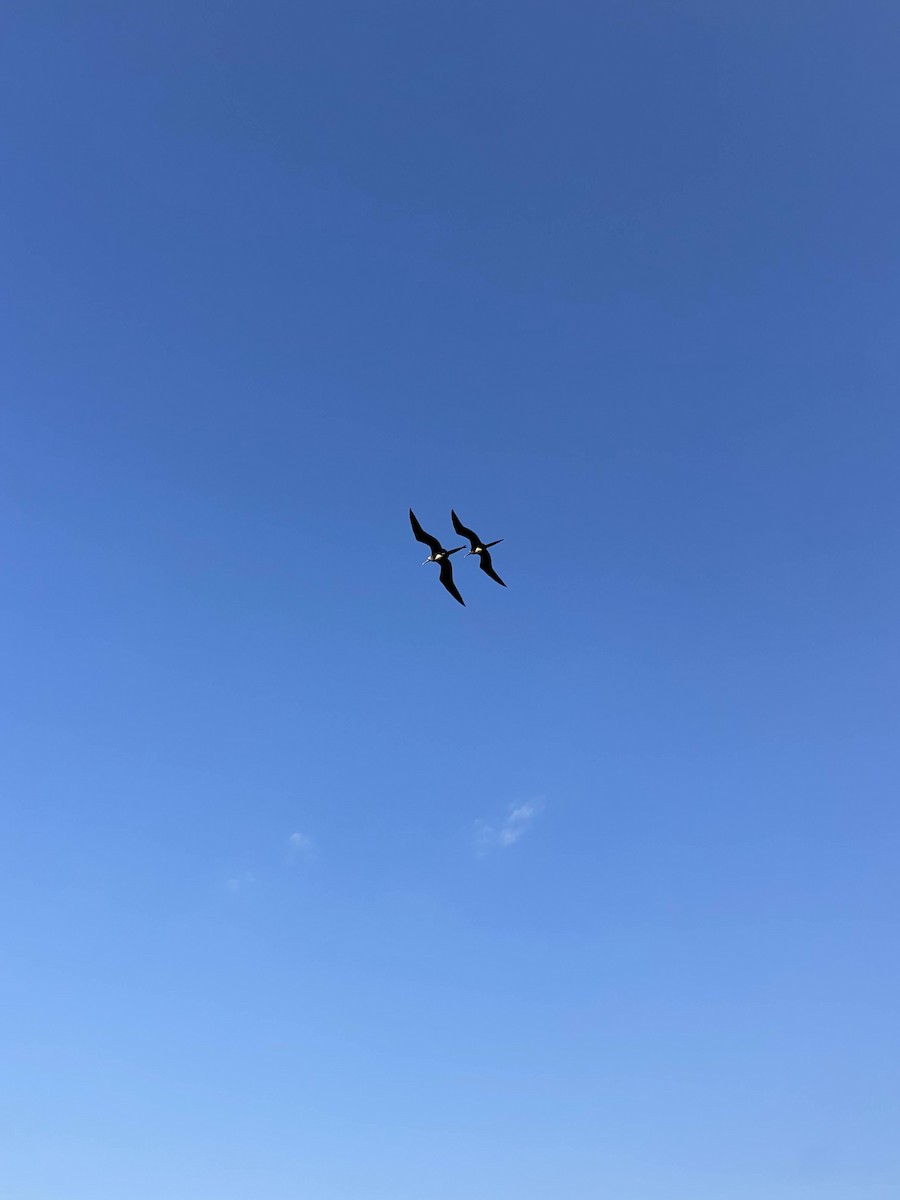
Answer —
478 547
438 555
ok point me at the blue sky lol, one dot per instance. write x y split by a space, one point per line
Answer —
316 884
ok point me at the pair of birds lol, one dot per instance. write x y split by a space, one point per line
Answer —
442 557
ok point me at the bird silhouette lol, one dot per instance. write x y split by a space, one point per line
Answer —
438 555
478 547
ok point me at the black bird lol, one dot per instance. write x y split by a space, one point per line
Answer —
439 555
478 547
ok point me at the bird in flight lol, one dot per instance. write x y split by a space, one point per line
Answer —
478 547
438 555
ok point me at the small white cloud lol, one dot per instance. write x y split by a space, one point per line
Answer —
302 844
519 818
238 882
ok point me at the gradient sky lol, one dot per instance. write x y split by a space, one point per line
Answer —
316 885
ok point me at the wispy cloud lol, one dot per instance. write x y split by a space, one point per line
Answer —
238 883
519 818
302 845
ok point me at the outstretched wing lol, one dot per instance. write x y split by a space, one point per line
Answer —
462 531
421 536
447 580
488 567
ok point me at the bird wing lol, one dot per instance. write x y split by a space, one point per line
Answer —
488 567
447 580
462 531
421 536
